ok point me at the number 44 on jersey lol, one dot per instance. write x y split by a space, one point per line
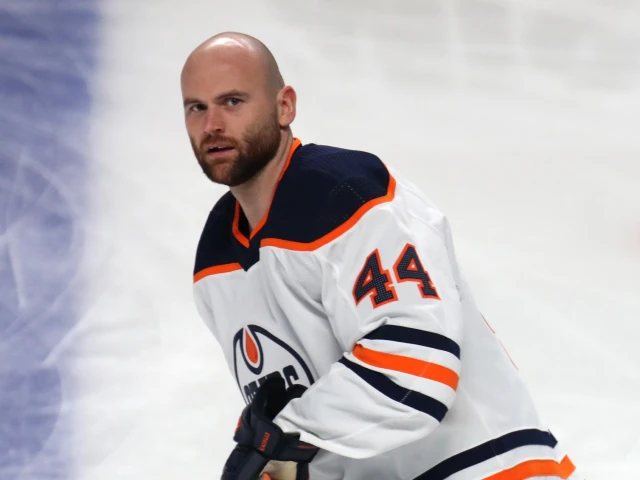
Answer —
375 281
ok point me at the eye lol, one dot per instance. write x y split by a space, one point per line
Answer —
232 101
197 107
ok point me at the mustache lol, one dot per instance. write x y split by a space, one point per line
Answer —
217 138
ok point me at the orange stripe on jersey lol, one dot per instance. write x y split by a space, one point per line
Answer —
412 366
226 268
536 468
296 143
244 241
289 245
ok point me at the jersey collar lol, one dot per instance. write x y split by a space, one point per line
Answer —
241 237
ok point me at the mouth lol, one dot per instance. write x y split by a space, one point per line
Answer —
217 150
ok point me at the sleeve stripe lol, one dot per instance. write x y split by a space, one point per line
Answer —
412 366
412 399
415 337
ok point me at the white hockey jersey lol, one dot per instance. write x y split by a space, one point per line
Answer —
350 286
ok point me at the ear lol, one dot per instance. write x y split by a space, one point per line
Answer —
286 102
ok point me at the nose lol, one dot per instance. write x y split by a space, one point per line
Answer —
213 122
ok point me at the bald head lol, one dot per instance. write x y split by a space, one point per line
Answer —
237 108
245 51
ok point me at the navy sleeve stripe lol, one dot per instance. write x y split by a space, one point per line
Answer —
384 385
488 450
414 336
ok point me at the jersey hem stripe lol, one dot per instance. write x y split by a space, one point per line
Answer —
488 450
536 468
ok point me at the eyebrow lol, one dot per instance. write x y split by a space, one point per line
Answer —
230 93
189 101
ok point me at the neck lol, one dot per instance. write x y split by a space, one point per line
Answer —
254 196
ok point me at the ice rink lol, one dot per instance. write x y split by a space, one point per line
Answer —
519 118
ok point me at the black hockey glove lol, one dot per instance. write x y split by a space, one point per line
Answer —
261 441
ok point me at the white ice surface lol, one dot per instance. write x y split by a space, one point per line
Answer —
520 119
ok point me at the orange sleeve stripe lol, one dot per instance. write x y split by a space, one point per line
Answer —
412 366
536 468
307 247
226 268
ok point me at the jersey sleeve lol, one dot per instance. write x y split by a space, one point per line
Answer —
389 287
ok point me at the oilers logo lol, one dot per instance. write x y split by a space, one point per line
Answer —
258 355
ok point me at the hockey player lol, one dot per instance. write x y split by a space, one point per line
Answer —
332 287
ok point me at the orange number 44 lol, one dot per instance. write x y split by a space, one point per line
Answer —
375 282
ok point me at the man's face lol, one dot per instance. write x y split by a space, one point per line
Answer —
231 118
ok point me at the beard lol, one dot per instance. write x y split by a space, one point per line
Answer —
254 151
